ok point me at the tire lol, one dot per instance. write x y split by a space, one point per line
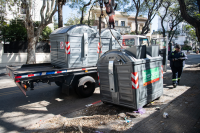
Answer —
85 87
58 83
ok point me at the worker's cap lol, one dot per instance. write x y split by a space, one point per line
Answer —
178 46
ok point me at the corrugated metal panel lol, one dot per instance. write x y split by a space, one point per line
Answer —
74 58
83 41
92 51
134 87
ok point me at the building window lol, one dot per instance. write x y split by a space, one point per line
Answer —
141 26
116 23
122 23
23 8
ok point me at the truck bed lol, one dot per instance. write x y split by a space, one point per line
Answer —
38 70
31 68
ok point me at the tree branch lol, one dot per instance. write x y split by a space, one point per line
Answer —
90 10
137 5
52 13
48 19
52 6
81 21
186 16
42 12
151 13
47 11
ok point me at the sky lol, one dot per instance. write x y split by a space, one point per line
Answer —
67 12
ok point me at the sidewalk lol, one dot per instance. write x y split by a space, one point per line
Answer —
181 103
184 110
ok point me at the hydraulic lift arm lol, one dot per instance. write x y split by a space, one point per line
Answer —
109 4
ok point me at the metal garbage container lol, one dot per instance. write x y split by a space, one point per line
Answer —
127 81
107 37
78 46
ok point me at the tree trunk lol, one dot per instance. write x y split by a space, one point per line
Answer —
46 18
82 12
171 37
192 21
136 26
137 6
31 58
60 15
163 28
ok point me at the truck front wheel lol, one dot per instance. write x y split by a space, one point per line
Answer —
86 86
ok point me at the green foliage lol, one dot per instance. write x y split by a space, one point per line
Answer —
157 32
190 30
78 5
193 8
2 9
91 22
73 20
15 31
129 7
186 47
45 34
133 33
186 42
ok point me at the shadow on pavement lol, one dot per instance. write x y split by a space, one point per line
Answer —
183 111
181 103
17 110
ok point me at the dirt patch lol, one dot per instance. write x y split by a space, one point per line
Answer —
105 109
89 120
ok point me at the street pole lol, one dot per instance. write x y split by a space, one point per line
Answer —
100 36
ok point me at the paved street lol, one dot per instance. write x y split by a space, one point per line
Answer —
18 111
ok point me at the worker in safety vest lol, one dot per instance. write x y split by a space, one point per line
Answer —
177 61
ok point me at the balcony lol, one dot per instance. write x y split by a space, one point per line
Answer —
123 29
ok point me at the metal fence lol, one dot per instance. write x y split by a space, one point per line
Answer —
21 47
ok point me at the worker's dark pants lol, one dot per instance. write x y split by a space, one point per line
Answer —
176 74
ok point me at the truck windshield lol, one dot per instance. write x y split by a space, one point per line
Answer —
144 41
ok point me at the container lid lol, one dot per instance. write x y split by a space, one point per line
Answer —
62 30
75 29
106 33
124 57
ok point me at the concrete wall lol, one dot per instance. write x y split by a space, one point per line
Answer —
120 19
20 58
180 40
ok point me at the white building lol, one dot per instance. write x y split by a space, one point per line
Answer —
19 12
179 39
124 23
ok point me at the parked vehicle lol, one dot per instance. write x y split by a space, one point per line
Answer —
134 40
74 54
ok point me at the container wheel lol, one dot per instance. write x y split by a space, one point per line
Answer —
86 86
58 83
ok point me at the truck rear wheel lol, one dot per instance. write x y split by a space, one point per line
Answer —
58 83
86 86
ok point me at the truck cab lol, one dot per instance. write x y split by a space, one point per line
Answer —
134 40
